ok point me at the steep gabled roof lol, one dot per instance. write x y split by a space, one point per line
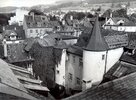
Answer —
96 41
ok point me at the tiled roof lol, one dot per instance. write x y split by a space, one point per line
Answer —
10 85
37 22
123 88
86 22
123 67
111 37
28 43
61 44
96 41
7 76
55 23
116 19
128 58
49 40
75 50
17 29
16 53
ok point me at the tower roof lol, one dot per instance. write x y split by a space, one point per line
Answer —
96 41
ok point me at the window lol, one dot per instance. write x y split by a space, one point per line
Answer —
31 31
74 59
43 18
57 71
103 57
78 81
70 76
68 57
36 31
80 62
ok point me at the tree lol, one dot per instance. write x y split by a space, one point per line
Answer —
107 13
36 12
120 13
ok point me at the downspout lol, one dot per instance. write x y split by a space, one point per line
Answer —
105 63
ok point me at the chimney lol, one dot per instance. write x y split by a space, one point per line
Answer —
106 19
3 28
71 17
5 48
111 14
32 14
15 28
63 22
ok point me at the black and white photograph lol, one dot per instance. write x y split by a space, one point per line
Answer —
67 49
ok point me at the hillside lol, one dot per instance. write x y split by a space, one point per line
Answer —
107 1
7 9
63 4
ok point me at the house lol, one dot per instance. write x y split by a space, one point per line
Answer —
35 25
13 50
18 30
39 25
16 83
118 82
87 64
120 24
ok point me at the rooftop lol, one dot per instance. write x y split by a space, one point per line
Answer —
123 88
96 41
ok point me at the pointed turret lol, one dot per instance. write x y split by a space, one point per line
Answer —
97 58
96 41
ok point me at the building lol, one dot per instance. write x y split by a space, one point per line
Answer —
13 50
86 65
119 89
118 81
18 30
39 25
120 24
35 25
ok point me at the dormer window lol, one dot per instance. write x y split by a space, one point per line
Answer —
13 36
121 24
43 18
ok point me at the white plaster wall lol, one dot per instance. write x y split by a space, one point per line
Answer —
93 66
60 77
113 56
76 70
123 28
110 22
130 29
70 41
41 31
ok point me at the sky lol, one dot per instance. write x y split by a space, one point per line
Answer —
27 3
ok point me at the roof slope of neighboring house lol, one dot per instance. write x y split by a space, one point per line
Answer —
16 53
123 88
10 84
125 66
